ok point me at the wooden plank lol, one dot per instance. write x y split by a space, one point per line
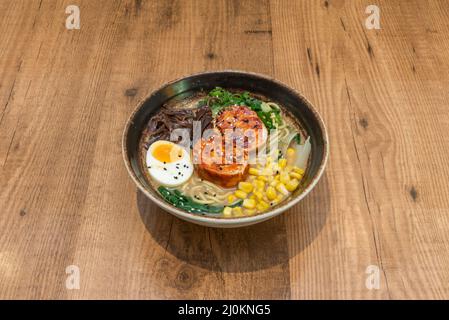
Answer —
380 96
78 205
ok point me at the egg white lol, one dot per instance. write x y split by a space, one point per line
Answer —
170 174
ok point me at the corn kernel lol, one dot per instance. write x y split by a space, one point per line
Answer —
254 171
231 198
282 163
245 186
252 196
292 185
271 193
267 172
262 178
249 212
240 194
260 184
249 203
274 183
227 211
298 170
295 175
237 211
290 152
259 195
279 198
281 188
262 206
284 178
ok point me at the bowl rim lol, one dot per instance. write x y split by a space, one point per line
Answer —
237 220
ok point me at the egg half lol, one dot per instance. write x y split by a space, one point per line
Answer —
168 163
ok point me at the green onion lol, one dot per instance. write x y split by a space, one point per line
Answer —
219 98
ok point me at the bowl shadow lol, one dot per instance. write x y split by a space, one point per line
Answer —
257 247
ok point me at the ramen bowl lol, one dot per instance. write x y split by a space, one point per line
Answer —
178 90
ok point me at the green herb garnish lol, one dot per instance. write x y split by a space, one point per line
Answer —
219 98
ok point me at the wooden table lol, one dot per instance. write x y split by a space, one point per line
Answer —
66 198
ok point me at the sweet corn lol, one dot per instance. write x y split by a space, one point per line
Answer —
249 212
284 178
274 183
282 163
279 198
237 211
298 170
227 211
258 195
281 188
271 193
253 197
240 194
292 185
262 206
262 178
254 171
266 172
231 198
245 186
249 203
251 178
290 152
260 184
295 175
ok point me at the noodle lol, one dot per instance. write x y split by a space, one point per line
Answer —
205 192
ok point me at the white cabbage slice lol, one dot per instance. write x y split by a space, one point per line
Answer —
303 153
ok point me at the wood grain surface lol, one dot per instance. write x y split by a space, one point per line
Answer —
66 198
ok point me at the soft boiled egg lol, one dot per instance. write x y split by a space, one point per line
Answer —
169 164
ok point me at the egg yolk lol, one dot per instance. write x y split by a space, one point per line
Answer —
166 152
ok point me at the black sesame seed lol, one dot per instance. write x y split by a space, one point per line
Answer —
165 162
179 173
165 169
175 177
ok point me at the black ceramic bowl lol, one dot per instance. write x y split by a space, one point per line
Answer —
176 91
